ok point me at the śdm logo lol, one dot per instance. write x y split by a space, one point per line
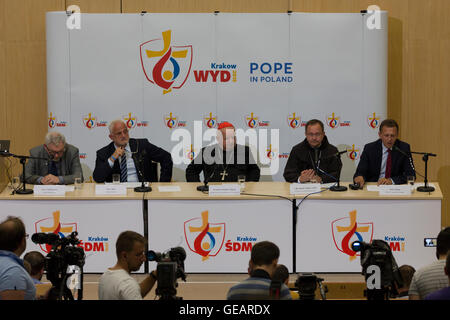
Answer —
347 230
353 153
210 121
204 238
54 225
168 67
294 121
373 120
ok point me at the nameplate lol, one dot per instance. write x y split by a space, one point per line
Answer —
225 190
304 188
52 190
111 190
395 190
169 189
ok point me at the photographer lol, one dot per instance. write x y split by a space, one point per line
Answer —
116 283
15 282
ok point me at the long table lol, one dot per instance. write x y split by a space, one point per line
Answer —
314 234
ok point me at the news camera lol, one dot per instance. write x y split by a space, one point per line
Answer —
170 267
378 254
64 253
306 285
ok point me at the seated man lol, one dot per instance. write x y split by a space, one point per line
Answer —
262 265
122 154
224 161
312 153
59 162
381 160
444 293
117 283
432 277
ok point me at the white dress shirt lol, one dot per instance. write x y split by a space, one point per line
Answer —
131 169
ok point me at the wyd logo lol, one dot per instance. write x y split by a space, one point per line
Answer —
210 121
89 121
353 153
54 225
168 67
294 121
347 230
51 121
204 238
373 120
252 121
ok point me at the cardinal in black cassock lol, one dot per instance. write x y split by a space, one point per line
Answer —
224 161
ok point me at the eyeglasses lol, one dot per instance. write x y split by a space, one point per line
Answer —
54 153
314 134
123 132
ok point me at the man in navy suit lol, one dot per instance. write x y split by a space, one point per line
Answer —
122 154
382 161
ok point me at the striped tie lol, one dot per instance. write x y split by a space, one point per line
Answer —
123 168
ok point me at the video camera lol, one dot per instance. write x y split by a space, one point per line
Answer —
306 285
170 267
379 254
64 253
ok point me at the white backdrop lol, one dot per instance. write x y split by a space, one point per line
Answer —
225 230
261 71
325 230
97 222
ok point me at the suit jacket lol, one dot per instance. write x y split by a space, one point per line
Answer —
103 172
301 158
70 167
242 164
370 162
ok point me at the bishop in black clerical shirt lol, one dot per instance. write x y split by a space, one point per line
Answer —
224 161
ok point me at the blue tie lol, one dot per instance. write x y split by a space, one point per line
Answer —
123 168
52 168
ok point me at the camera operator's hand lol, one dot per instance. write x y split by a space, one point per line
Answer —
148 283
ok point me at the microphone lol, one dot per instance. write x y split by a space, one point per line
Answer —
337 154
44 238
337 187
138 159
205 187
395 148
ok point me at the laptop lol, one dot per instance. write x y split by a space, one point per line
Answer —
4 146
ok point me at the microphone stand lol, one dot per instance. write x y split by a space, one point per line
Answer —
205 187
338 188
23 160
142 188
426 187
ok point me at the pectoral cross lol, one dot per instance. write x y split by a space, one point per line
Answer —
223 174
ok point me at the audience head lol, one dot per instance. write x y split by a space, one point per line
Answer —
13 236
281 274
443 243
407 273
37 263
265 256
